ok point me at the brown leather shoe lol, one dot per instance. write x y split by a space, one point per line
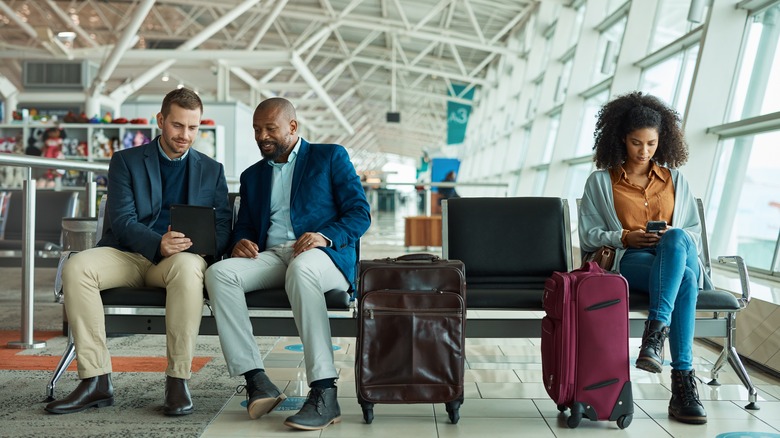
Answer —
92 392
178 400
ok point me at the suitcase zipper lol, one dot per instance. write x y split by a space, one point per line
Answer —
427 312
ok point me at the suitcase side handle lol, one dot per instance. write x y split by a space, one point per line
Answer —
416 257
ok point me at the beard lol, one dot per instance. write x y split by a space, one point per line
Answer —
278 150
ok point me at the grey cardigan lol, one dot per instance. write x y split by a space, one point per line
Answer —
599 224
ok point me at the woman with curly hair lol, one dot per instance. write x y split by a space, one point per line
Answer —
638 146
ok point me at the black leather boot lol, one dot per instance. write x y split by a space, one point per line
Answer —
262 396
92 392
320 410
178 400
651 353
685 405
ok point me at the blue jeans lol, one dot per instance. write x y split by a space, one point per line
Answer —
669 273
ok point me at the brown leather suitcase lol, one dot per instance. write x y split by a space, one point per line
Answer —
411 335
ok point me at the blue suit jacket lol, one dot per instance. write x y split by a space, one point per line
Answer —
135 192
326 197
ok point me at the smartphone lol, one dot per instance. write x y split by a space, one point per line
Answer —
655 226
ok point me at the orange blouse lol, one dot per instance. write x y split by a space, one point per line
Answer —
635 205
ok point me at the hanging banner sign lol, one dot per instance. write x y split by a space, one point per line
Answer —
458 115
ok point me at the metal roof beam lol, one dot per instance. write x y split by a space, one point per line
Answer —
311 79
125 41
121 93
371 23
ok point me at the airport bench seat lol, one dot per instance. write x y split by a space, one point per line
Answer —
510 246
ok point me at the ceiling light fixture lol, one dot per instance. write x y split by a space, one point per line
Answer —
66 36
165 77
180 86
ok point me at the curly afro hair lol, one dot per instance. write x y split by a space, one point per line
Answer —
632 111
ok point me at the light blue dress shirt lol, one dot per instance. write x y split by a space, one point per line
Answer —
281 230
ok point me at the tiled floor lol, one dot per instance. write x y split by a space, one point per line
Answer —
504 395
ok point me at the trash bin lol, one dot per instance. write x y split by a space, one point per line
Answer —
78 233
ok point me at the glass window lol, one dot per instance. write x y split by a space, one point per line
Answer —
514 185
690 57
659 80
539 181
670 79
547 49
758 84
563 80
671 23
552 135
534 101
609 48
578 20
590 113
575 185
518 143
744 211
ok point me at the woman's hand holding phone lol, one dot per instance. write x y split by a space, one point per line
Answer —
657 227
647 238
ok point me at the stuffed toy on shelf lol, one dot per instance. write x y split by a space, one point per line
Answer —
53 139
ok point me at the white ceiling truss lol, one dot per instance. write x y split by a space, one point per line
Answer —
343 63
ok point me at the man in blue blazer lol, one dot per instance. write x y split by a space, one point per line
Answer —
302 212
138 248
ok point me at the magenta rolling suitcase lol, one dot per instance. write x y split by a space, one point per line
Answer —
585 362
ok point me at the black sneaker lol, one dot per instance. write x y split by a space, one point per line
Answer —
320 410
262 396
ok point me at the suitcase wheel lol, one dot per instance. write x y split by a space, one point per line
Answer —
368 415
453 410
624 421
368 410
562 408
576 416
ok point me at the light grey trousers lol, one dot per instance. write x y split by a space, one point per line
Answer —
306 278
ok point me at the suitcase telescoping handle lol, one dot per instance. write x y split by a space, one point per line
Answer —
417 257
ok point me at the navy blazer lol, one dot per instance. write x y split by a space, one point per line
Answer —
326 197
135 192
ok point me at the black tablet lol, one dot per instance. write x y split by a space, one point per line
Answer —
199 224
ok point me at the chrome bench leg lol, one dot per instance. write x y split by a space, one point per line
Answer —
67 357
729 353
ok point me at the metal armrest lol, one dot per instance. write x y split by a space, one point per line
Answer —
743 276
58 294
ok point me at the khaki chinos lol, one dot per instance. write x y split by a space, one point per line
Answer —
88 272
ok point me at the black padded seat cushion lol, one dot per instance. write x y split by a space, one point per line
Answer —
528 296
490 293
259 299
712 300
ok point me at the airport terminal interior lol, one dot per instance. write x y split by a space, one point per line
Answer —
430 98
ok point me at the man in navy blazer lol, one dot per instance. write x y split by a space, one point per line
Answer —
302 212
138 248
